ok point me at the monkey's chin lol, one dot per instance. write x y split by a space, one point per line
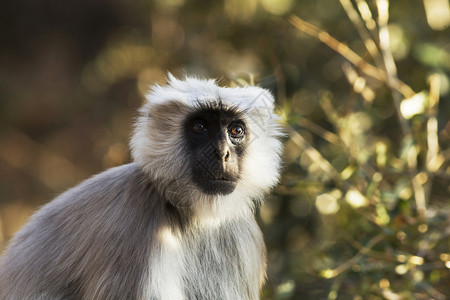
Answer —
218 187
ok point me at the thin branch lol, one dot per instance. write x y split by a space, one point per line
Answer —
434 160
432 128
323 133
361 253
366 15
365 36
337 46
313 154
391 69
358 83
389 63
349 54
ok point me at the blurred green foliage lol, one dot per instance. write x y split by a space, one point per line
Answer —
362 211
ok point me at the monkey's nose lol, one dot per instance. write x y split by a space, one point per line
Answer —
226 156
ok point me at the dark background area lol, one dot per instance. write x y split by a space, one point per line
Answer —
346 221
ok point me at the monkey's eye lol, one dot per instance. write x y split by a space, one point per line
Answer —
236 131
199 127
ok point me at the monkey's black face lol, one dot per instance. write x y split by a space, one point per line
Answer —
216 141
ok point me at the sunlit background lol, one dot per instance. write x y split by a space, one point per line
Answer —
363 208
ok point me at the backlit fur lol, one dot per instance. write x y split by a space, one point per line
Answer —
157 143
144 230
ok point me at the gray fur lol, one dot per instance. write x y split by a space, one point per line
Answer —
143 230
94 242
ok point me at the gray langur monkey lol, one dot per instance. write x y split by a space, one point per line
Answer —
176 223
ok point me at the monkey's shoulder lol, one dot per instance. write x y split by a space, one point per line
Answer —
116 198
103 220
101 190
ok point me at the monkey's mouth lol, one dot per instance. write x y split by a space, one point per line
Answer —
223 178
217 184
222 186
214 180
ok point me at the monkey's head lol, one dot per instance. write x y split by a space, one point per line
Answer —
201 143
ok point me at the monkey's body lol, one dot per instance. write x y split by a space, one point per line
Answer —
177 224
144 230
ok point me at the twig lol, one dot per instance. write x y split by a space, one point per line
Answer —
349 54
358 83
316 129
361 253
365 36
433 159
366 15
391 69
314 155
389 63
432 128
337 46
